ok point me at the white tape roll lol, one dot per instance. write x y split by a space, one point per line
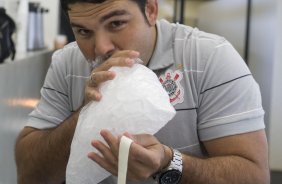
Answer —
124 147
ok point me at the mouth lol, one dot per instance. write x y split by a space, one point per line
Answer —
95 62
98 60
101 59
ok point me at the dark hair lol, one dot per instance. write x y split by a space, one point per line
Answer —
65 3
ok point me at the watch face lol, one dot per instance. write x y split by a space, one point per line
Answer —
170 177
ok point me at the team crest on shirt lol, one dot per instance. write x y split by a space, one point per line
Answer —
171 83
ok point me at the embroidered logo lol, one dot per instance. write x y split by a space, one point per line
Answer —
171 83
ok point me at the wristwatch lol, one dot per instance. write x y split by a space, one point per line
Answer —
172 174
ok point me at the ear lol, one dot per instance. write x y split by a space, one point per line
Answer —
151 11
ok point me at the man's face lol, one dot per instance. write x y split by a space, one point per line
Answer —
102 29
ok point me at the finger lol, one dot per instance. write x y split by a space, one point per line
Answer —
92 94
121 58
96 78
141 144
140 153
145 140
127 134
103 163
111 140
105 151
126 53
119 61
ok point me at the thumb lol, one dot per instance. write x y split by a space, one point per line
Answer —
144 140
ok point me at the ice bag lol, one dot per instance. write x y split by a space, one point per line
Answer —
134 101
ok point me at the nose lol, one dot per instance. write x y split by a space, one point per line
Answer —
103 44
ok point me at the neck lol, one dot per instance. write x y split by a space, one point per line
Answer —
152 46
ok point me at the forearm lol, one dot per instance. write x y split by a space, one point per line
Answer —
42 155
222 170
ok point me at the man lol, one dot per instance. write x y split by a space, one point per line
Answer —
218 131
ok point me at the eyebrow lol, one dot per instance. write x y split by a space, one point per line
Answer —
104 18
76 25
112 14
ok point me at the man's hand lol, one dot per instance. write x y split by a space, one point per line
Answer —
101 74
146 157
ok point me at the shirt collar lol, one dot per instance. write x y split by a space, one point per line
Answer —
163 53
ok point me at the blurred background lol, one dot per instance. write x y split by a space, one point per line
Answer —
254 27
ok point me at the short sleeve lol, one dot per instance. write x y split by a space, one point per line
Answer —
53 107
229 97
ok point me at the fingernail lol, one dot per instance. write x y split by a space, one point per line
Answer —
135 53
129 62
98 97
112 74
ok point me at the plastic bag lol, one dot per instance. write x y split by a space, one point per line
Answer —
134 101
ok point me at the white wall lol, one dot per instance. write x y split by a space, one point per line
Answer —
276 100
191 12
11 7
261 52
20 83
265 62
226 18
223 17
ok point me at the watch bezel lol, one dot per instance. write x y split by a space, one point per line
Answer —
162 175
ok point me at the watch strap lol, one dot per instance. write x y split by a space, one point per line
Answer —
176 162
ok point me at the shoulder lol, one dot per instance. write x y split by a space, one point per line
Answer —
184 36
69 59
69 53
197 41
189 44
202 49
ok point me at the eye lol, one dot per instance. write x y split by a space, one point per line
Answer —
117 24
83 32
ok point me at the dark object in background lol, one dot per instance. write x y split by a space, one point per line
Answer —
7 28
35 36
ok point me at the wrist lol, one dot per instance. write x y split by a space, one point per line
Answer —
168 155
165 162
172 172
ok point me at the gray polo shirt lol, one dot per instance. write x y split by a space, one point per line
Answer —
209 85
